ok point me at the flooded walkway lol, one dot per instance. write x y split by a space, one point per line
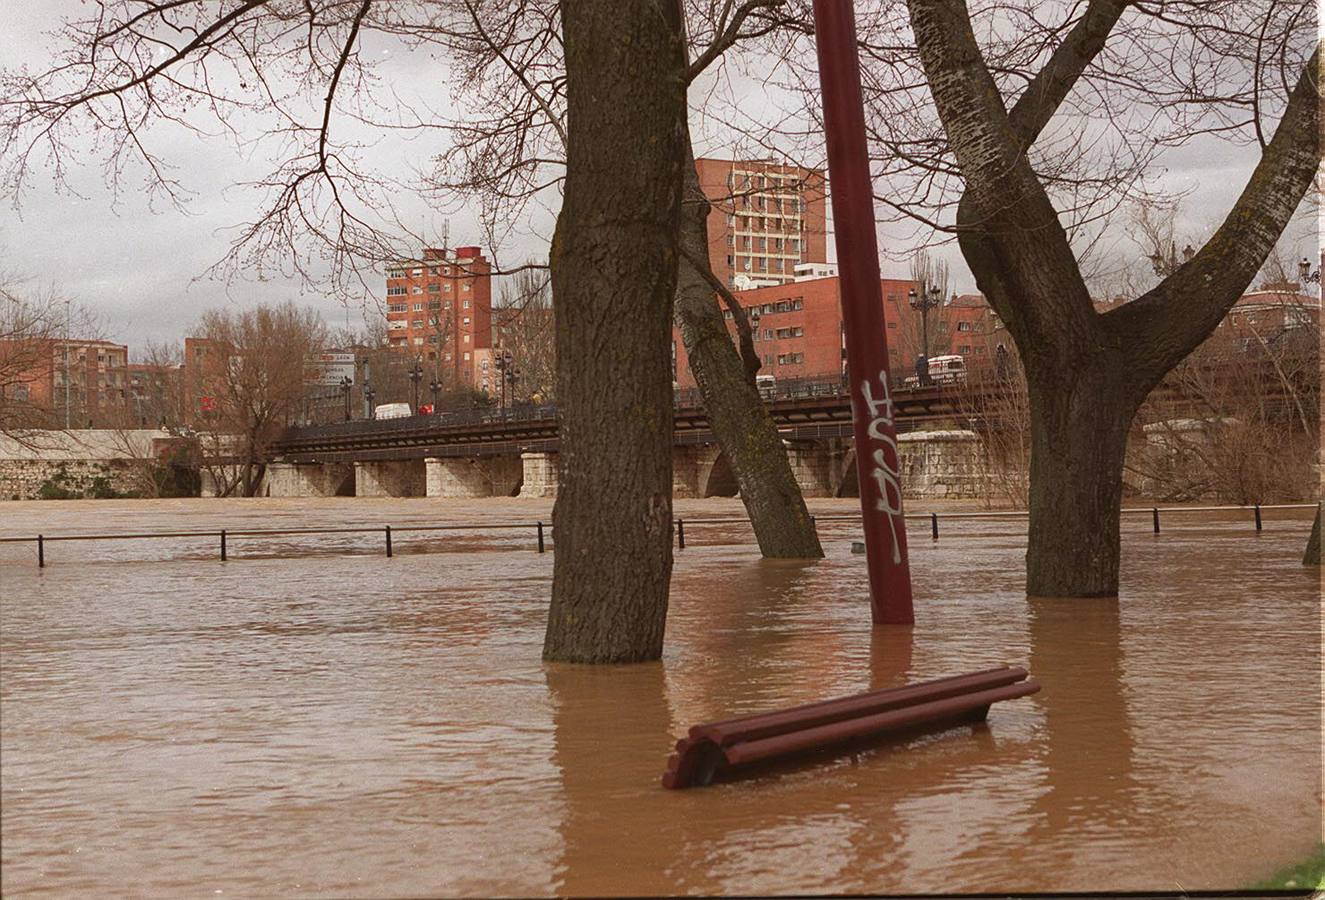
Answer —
311 718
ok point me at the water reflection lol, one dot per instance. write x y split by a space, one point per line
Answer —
612 727
1087 746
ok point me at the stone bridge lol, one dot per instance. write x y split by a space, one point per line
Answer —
488 454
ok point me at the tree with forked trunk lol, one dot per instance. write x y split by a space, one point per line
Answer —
1087 372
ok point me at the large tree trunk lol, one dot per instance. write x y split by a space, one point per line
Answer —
1312 555
735 411
613 275
1087 372
1079 432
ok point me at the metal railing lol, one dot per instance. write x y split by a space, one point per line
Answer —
223 535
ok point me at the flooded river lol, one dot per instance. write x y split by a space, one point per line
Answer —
312 718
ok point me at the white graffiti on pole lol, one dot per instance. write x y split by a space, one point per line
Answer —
887 477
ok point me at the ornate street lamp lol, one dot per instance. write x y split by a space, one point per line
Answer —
503 364
1166 267
345 384
434 386
1304 273
416 376
923 301
368 394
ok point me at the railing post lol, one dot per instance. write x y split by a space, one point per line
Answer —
222 545
540 537
41 552
680 534
1154 514
1258 517
388 541
934 525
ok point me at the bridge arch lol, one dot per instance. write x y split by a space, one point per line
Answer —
848 484
720 481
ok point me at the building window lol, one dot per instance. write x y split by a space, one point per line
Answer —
731 240
730 260
963 326
466 302
432 338
434 271
418 342
395 273
418 307
417 323
798 303
466 320
964 348
466 287
434 288
892 324
397 307
466 341
435 305
466 354
394 291
417 289
447 287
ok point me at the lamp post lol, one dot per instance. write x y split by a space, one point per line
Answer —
416 376
435 386
345 384
923 301
368 394
512 376
1304 273
67 315
1165 267
503 363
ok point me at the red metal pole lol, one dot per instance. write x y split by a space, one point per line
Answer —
878 463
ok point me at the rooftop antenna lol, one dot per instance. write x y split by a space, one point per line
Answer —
446 234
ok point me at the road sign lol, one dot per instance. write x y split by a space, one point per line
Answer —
333 366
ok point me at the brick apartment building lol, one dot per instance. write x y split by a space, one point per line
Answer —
439 309
97 371
800 335
766 219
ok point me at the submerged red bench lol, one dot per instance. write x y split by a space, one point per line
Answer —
715 749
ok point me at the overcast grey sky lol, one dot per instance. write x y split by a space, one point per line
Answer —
141 267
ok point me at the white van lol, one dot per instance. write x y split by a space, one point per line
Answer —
392 411
947 369
767 386
942 370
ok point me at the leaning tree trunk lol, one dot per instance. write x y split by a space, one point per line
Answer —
1312 555
1079 429
613 275
735 412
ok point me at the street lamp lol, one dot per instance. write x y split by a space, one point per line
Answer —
345 383
503 363
1165 267
368 394
1304 273
416 376
434 386
923 301
512 376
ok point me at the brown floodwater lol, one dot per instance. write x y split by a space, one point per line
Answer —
311 718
